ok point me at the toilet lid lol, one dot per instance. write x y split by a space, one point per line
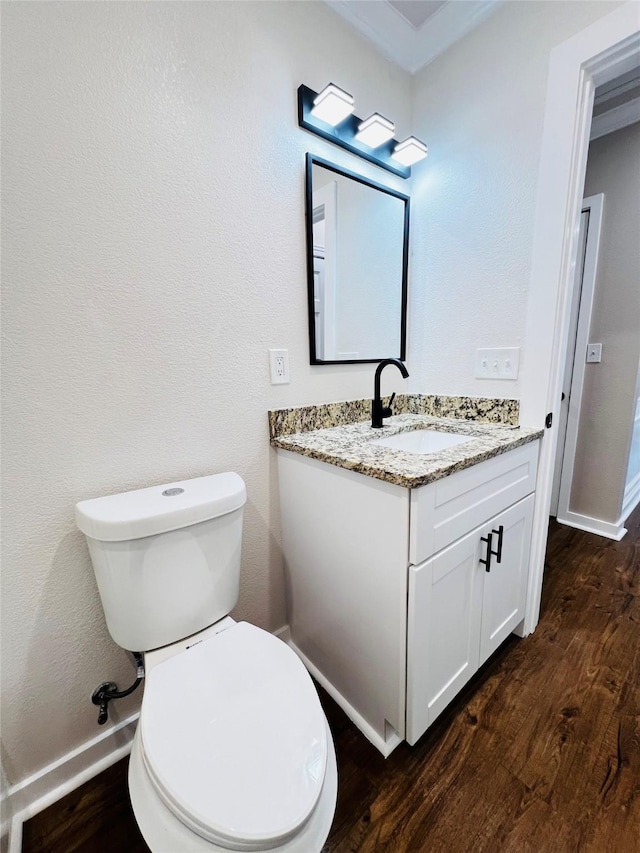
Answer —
234 738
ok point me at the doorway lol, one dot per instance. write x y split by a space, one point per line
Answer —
591 58
584 282
596 474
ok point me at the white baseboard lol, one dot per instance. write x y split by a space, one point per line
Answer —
47 786
383 745
631 497
594 525
283 634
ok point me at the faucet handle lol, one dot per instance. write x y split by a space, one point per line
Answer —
387 411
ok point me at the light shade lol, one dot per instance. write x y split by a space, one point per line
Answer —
375 130
332 105
409 151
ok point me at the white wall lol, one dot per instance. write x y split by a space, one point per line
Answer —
153 237
609 396
480 106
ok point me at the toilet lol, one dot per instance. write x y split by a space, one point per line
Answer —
233 750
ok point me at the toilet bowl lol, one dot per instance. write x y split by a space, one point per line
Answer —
233 750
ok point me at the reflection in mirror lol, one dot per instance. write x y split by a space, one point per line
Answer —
357 257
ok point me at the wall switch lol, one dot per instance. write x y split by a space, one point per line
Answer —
594 353
279 366
500 363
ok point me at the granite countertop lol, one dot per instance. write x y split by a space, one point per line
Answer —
350 446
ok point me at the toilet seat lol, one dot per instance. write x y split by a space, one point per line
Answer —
234 739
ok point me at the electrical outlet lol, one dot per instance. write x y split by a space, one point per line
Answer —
279 366
500 363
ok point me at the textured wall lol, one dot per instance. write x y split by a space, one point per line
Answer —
153 237
480 106
609 394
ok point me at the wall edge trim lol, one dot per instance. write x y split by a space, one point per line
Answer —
594 525
615 119
631 497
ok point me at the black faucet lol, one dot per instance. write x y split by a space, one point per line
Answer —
378 411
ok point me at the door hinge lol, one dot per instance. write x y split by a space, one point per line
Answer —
548 420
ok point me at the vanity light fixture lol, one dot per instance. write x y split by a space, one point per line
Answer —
329 114
410 151
375 130
333 105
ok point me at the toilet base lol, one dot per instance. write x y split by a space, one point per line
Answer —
164 833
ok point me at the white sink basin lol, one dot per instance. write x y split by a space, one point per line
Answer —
422 441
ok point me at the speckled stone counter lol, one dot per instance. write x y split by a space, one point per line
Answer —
306 418
350 446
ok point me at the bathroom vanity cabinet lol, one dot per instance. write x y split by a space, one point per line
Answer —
392 605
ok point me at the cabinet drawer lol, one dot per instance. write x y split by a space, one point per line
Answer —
447 509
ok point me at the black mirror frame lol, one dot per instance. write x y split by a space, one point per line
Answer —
310 160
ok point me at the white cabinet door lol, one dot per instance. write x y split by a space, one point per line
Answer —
505 584
445 603
459 613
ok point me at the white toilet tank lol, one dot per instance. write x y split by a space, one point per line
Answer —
166 558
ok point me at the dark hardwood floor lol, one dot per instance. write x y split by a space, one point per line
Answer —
540 753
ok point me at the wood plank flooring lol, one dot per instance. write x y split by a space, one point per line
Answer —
539 754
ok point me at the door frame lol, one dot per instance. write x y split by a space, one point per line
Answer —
595 55
594 204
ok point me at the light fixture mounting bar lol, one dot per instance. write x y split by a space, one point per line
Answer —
344 135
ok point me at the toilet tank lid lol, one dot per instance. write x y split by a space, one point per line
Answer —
159 509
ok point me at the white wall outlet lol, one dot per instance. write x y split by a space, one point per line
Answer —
502 363
594 353
279 366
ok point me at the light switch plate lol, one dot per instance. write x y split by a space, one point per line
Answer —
498 363
594 353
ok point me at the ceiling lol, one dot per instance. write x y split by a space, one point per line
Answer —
416 12
413 33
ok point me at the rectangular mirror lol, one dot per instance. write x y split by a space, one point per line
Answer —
357 262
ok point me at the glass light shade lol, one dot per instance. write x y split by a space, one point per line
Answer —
332 105
409 151
375 130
